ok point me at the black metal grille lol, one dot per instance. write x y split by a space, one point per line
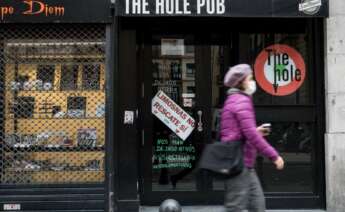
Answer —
52 84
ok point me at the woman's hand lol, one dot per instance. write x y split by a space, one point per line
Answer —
279 162
265 131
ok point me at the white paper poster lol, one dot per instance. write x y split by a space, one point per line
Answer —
172 47
172 115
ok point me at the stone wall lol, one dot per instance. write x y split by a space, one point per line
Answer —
335 107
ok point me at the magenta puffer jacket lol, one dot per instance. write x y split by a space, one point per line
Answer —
238 123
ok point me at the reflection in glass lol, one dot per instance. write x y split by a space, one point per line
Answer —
173 160
218 95
294 140
69 77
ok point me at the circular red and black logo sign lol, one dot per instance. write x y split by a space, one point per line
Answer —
279 70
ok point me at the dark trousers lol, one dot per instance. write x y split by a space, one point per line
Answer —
244 192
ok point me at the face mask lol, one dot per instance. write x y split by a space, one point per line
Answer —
251 88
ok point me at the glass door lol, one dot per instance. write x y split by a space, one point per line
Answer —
174 116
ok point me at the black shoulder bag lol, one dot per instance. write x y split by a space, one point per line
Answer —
222 159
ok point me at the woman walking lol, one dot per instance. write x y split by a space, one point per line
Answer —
238 123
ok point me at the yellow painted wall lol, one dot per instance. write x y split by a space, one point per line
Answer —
43 123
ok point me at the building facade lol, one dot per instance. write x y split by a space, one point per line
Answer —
107 106
53 94
334 50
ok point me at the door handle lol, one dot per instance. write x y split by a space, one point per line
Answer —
199 125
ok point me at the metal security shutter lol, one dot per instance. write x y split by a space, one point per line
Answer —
52 116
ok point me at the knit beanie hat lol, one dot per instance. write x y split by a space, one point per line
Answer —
236 74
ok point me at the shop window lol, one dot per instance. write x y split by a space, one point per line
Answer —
76 106
190 70
69 77
91 77
46 73
293 128
53 129
21 80
23 107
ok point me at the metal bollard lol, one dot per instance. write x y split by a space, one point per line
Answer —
170 205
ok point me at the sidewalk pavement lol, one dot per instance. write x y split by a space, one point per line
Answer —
215 209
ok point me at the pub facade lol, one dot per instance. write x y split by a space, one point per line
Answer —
107 105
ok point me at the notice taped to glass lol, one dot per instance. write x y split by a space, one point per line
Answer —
172 47
172 115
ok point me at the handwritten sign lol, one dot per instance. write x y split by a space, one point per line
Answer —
172 115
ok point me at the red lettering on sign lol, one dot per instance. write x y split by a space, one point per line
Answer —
38 7
4 11
191 122
172 105
183 128
167 114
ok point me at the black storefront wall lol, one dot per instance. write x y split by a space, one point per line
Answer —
132 28
49 19
137 17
